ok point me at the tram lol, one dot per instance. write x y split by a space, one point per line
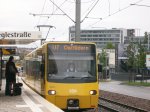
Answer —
64 73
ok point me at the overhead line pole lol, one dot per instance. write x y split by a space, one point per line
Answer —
77 22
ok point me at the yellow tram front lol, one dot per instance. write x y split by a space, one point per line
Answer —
71 75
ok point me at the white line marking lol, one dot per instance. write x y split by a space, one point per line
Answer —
46 104
30 103
19 106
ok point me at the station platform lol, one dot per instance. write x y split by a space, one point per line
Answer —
29 101
119 87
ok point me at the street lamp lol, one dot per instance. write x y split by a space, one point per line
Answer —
48 26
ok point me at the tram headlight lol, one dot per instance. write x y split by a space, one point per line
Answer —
51 92
93 92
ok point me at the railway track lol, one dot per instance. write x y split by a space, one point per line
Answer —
113 106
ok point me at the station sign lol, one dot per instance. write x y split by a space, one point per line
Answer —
20 35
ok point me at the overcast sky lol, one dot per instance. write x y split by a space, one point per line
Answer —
17 15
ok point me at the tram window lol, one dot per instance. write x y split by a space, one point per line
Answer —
42 67
61 66
52 69
99 68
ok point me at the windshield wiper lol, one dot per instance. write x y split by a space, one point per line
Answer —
87 77
70 77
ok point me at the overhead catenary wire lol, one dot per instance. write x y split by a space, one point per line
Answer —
90 10
89 7
111 14
62 11
48 15
109 7
119 5
42 11
57 8
53 8
140 5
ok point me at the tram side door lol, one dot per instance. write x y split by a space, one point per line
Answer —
42 67
0 68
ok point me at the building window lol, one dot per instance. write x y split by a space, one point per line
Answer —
89 35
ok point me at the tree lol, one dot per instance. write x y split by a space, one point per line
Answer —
131 61
145 38
103 60
109 45
136 54
141 56
123 65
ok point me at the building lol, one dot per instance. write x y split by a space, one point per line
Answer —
100 36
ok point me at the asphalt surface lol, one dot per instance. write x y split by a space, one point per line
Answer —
118 87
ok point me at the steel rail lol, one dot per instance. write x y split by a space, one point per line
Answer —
123 106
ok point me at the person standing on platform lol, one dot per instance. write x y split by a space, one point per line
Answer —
10 74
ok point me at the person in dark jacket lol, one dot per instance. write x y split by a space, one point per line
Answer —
10 74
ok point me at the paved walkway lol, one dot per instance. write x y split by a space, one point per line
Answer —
118 87
29 101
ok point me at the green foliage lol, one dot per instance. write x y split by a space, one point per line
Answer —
136 54
141 56
145 38
124 65
147 84
102 58
131 57
109 45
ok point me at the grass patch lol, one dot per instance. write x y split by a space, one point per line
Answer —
146 84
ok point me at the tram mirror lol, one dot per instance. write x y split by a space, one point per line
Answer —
99 68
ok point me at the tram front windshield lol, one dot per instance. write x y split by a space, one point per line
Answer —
72 63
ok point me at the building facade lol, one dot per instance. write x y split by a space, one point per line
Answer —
100 36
